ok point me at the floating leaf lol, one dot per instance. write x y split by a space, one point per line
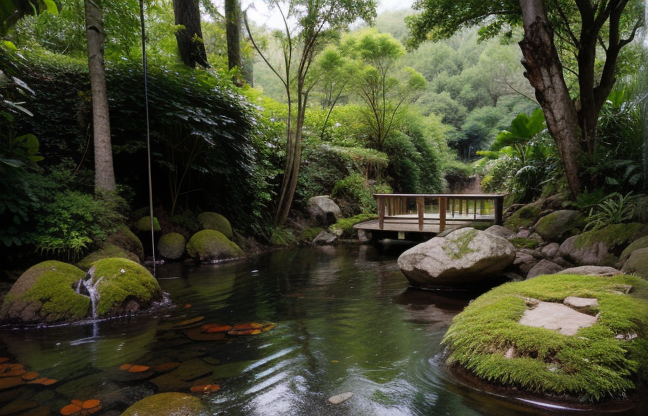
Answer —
90 404
125 367
138 369
70 409
205 389
190 321
187 305
77 402
32 375
48 382
212 328
9 382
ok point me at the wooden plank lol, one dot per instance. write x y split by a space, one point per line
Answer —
443 204
420 210
381 212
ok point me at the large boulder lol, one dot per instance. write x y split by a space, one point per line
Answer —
128 241
524 217
463 257
176 404
106 252
208 245
636 245
559 224
171 246
544 267
637 263
216 222
600 247
501 231
323 211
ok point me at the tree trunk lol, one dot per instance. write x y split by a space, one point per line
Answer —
545 73
190 39
233 30
104 172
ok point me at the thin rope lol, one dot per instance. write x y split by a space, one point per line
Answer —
148 130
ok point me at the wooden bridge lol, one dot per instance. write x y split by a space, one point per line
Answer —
432 213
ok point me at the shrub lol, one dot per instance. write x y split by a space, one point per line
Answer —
355 190
613 209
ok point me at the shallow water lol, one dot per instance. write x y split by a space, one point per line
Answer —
345 318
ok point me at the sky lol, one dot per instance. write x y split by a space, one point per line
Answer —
259 13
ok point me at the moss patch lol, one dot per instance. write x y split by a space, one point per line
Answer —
167 404
144 224
602 361
636 245
128 241
456 244
524 243
613 236
212 245
123 280
172 246
45 293
108 251
217 222
345 225
524 217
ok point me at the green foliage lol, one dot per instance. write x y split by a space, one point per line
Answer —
592 365
614 208
355 190
345 225
280 236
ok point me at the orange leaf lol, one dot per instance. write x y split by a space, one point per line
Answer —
138 369
187 306
89 404
48 382
13 373
215 329
30 376
4 359
125 366
207 388
94 410
77 402
70 409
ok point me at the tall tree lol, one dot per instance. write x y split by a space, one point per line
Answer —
591 33
189 34
232 31
316 21
104 171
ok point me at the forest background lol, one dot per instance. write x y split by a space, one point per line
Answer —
379 118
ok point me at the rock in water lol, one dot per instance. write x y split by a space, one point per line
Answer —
463 257
339 398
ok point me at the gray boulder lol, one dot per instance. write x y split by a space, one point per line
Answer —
550 250
544 267
592 271
637 263
323 211
524 262
593 254
463 257
501 231
636 245
324 238
558 224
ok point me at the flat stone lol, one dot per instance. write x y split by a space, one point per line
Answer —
339 398
592 271
581 303
556 317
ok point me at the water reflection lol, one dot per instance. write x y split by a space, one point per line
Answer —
346 322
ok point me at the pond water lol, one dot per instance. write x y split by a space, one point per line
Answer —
345 318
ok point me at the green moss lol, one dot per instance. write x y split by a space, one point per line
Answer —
172 246
346 224
217 222
593 364
167 404
524 217
212 245
456 245
128 241
636 245
123 280
614 236
519 242
108 251
144 224
310 233
46 290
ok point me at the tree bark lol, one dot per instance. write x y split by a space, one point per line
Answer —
190 39
232 31
545 73
104 171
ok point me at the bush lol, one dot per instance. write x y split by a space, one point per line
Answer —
355 190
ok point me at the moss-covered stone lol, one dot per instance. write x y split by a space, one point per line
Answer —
177 404
172 246
124 281
217 222
637 263
45 293
616 237
524 217
128 241
529 243
144 224
456 245
635 245
344 226
559 225
209 245
107 251
606 360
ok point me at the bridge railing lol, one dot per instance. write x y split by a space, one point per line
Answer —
394 205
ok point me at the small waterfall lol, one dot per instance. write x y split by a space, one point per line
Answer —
91 288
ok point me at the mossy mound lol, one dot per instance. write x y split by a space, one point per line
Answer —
559 225
128 241
637 263
126 286
172 246
605 360
344 226
216 222
209 245
179 404
45 293
529 243
524 217
636 245
616 237
108 251
144 224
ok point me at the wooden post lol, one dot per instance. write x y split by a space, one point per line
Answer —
420 210
381 211
443 204
499 207
475 209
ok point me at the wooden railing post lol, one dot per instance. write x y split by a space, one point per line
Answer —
443 205
420 210
499 207
381 211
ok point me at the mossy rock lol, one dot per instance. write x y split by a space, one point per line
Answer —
209 245
172 246
559 225
107 251
616 237
637 263
128 241
176 404
144 224
524 217
344 226
635 245
214 221
126 286
605 360
529 243
45 293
